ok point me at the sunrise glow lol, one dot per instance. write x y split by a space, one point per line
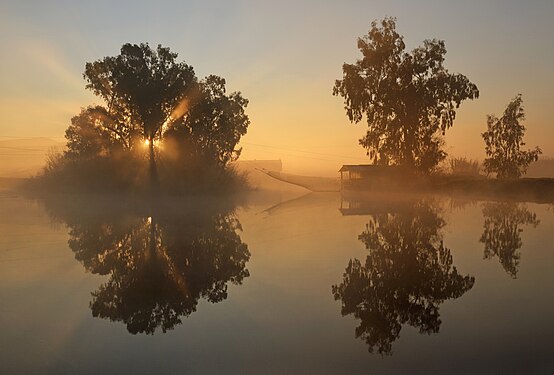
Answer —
276 187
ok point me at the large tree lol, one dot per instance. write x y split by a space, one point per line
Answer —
408 98
149 96
141 88
503 140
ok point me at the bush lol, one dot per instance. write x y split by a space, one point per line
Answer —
128 172
118 173
462 166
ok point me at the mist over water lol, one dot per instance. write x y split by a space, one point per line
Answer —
275 282
239 187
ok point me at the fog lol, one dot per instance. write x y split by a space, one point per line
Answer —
276 187
252 280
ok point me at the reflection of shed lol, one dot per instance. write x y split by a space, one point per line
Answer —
355 203
366 175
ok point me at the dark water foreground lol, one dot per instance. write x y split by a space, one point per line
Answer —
318 284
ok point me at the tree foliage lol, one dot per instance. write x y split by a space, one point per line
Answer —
149 96
140 86
93 133
503 142
408 98
213 126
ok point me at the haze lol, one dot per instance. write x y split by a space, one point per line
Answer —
283 56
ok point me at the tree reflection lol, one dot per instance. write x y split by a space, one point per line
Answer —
502 232
407 274
159 266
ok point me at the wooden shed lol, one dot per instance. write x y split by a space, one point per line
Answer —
360 176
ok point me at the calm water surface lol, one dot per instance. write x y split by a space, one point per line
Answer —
319 284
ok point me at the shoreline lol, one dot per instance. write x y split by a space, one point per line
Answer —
538 190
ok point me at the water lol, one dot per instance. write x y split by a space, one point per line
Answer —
318 284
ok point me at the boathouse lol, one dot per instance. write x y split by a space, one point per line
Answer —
360 176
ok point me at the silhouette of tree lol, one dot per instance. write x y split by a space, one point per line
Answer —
406 276
409 99
160 266
90 134
212 127
141 88
149 97
502 232
503 139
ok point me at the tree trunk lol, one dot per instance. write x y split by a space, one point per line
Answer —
409 141
153 167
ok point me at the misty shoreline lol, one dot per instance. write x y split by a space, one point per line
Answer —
538 190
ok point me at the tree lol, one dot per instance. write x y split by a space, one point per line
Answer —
149 97
141 88
503 139
408 99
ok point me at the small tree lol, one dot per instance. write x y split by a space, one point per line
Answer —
503 139
408 98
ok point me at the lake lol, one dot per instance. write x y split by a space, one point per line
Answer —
276 284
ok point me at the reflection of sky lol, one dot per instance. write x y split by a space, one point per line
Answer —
283 319
284 57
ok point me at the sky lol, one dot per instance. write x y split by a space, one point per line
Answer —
284 56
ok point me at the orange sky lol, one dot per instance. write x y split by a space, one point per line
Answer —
284 57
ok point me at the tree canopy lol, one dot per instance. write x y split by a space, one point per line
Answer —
409 99
213 126
151 98
140 86
503 142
